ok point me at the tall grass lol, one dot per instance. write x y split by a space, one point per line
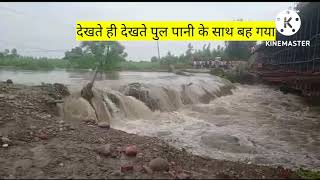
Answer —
30 63
142 66
150 66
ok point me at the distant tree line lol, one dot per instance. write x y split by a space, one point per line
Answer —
111 55
8 53
105 55
233 50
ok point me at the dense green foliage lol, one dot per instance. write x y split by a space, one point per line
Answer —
110 55
238 75
150 66
236 50
307 174
31 63
105 55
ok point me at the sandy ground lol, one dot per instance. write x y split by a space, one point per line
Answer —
41 145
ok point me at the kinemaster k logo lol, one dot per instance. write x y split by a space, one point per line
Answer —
288 23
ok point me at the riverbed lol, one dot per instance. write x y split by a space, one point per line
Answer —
255 124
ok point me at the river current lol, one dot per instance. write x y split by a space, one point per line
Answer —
251 123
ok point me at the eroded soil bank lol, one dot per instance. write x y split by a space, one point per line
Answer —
36 143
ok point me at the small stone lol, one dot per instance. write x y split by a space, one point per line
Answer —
60 129
11 177
171 173
131 150
139 155
101 140
5 139
11 97
61 122
103 125
183 176
159 164
98 158
61 164
147 169
126 168
43 136
5 145
223 175
2 95
104 150
9 81
116 173
137 168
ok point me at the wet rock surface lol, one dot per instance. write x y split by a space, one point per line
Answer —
159 164
131 150
141 92
41 145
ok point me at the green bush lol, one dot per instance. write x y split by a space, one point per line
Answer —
307 174
238 75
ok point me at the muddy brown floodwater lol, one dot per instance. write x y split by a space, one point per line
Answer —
255 124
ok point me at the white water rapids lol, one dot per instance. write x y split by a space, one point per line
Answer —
255 124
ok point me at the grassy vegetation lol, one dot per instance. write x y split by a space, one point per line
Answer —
150 66
30 63
33 63
143 65
238 75
307 174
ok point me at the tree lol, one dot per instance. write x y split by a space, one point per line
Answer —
106 55
169 59
74 53
14 52
189 53
239 50
207 52
6 52
154 59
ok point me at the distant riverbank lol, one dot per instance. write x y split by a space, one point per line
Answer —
26 63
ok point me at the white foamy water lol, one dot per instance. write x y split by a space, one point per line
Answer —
255 124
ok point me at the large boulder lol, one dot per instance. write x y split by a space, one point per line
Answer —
159 164
142 93
56 90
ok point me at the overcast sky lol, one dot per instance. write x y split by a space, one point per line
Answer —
48 28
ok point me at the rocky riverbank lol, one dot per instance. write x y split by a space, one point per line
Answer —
37 143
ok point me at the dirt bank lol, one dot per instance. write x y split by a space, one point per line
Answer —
36 143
